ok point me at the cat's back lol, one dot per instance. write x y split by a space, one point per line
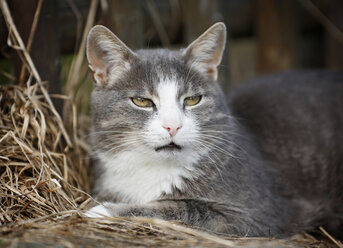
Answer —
311 99
296 120
290 90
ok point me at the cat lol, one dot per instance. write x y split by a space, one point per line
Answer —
265 160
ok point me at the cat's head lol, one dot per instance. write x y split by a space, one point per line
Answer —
163 103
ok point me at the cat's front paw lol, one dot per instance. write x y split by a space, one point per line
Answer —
97 212
108 209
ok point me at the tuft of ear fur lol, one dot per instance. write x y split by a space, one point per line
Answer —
107 55
205 53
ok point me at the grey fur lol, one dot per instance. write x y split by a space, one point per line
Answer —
276 162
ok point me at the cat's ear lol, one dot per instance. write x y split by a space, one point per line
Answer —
205 53
108 57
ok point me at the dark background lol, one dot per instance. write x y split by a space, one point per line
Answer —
264 36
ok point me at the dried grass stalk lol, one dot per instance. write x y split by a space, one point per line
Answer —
132 232
39 171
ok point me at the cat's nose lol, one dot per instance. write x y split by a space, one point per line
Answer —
172 130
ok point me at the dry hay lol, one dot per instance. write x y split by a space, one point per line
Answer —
39 170
136 232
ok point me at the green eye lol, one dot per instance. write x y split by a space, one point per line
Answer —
143 102
191 101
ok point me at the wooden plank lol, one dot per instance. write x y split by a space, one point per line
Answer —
242 60
45 50
334 47
125 19
276 35
199 16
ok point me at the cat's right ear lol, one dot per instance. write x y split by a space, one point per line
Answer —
205 53
108 57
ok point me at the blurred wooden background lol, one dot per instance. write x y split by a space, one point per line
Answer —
264 35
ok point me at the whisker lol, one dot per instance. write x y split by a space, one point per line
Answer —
219 149
215 138
217 165
121 145
234 134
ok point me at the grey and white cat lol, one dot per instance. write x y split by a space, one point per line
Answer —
265 161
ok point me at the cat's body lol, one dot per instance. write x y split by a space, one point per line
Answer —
168 146
296 120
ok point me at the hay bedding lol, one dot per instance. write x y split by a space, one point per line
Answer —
44 180
40 167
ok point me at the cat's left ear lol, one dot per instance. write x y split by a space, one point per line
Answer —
205 53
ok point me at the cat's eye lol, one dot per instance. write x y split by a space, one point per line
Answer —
143 102
191 101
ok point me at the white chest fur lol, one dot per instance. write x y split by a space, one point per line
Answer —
140 177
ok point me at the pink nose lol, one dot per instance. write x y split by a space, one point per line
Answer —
172 130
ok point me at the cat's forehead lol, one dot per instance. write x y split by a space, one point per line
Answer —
162 63
156 55
165 69
167 81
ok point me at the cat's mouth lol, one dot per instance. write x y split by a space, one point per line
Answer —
170 147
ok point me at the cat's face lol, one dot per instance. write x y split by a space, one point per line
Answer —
157 102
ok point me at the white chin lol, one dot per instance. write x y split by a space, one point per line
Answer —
167 153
